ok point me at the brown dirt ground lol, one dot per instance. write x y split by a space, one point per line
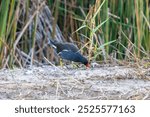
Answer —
99 82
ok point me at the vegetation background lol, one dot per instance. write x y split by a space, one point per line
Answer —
105 30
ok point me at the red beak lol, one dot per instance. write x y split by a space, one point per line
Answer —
87 65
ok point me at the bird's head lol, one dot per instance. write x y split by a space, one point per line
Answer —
87 65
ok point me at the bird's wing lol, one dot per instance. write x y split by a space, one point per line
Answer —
63 46
71 47
70 55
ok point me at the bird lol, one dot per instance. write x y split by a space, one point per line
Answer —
68 51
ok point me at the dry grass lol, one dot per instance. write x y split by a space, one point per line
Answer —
103 29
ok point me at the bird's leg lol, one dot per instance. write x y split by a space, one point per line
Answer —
75 65
61 62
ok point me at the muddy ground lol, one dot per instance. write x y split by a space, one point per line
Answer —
99 82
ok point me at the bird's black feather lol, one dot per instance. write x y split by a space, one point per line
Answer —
73 56
68 51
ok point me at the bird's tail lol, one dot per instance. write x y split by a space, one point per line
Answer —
52 43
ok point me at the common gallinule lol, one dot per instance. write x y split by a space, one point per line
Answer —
68 51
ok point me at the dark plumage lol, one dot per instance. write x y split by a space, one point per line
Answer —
69 51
